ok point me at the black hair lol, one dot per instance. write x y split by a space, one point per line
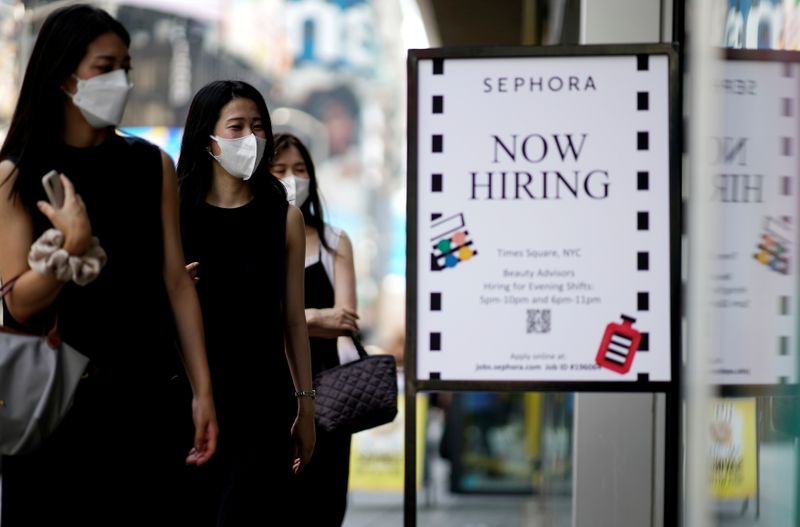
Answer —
312 208
195 164
37 126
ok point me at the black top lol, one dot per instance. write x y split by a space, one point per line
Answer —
122 321
320 295
242 252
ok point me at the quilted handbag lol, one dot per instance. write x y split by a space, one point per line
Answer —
38 379
357 395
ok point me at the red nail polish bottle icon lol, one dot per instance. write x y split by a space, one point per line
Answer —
619 345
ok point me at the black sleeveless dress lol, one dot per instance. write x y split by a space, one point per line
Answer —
326 476
117 455
242 252
320 295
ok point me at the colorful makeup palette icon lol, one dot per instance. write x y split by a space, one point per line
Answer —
772 254
452 245
449 252
773 247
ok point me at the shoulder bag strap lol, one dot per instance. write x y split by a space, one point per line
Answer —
362 353
8 286
53 336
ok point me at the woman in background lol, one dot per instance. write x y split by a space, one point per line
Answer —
330 302
246 245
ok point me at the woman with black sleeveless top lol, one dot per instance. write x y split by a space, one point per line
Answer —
116 458
330 300
246 245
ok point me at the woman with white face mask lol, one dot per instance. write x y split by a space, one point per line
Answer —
330 301
246 245
116 458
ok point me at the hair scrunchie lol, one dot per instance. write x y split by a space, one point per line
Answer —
47 256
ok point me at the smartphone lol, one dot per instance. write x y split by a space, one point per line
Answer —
54 189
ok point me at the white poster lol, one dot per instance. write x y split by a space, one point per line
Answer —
543 227
755 182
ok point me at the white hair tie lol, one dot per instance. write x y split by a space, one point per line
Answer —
47 256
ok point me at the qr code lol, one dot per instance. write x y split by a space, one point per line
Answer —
538 321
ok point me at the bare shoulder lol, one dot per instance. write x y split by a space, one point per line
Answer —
345 246
167 163
7 176
169 178
343 237
7 168
294 218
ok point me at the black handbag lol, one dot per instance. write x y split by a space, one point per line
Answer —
357 395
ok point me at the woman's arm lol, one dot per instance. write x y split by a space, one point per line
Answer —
297 350
344 287
342 318
34 292
189 321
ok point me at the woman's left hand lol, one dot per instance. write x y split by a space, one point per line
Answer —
331 322
71 219
304 436
205 430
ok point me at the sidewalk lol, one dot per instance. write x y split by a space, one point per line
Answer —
462 511
438 507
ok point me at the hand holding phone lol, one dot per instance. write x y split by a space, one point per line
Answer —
54 188
68 217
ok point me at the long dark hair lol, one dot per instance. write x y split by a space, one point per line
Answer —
312 208
37 126
194 164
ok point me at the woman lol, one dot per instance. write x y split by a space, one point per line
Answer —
330 301
113 460
247 245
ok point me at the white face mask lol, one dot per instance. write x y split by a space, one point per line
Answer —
296 189
240 157
102 99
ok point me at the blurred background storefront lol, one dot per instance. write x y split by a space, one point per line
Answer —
334 73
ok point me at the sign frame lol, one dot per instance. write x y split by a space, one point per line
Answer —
412 302
671 388
770 389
